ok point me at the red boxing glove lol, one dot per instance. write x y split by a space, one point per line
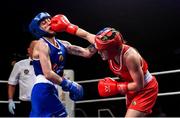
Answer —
109 87
60 23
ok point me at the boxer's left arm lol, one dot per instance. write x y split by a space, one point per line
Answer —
76 91
80 51
133 63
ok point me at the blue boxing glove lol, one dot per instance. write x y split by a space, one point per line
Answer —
75 90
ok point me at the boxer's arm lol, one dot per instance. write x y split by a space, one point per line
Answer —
133 63
43 51
76 90
85 35
60 23
80 51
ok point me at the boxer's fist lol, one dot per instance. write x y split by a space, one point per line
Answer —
109 87
60 23
75 90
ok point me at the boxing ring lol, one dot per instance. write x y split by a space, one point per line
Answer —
102 111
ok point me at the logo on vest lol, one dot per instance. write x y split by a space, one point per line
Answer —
134 103
61 58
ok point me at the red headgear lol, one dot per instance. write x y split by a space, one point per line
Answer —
108 39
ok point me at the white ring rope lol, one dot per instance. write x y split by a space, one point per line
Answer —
154 73
110 99
117 98
166 72
122 98
95 80
1 101
3 81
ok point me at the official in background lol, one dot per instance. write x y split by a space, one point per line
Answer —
22 74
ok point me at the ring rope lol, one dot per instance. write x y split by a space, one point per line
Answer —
122 98
95 80
3 101
110 99
154 73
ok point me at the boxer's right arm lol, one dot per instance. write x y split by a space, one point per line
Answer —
60 23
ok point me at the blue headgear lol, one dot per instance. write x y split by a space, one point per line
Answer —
34 25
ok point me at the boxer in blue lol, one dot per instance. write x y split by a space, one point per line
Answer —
49 56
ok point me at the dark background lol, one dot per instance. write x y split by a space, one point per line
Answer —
151 26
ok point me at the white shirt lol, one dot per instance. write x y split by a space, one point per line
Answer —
23 74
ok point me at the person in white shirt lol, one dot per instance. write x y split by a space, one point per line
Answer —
22 74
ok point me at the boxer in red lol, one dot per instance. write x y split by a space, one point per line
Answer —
138 85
